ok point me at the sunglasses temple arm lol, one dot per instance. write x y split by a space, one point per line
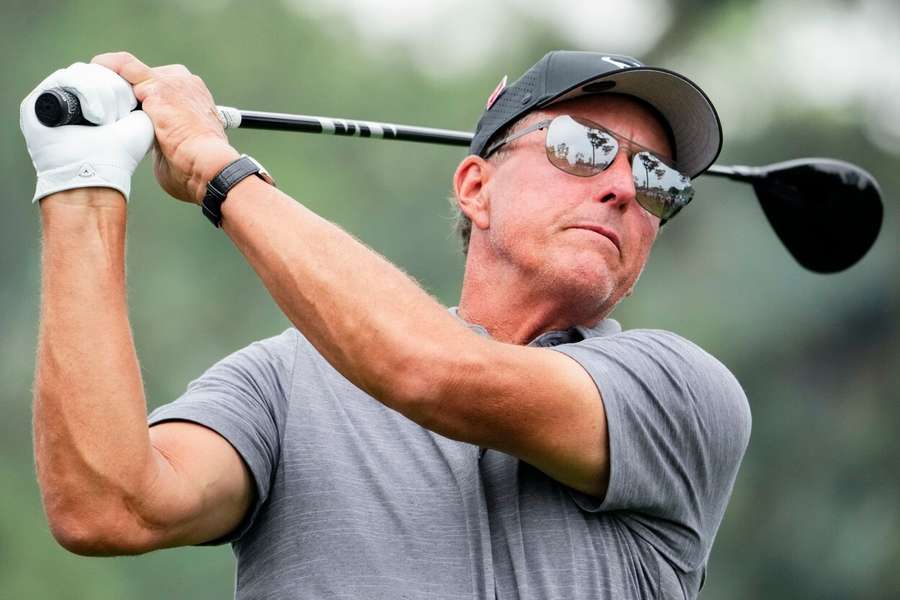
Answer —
736 172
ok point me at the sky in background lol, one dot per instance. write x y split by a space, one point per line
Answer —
839 57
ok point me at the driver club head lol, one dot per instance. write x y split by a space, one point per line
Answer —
826 212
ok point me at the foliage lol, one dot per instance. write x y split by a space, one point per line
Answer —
814 512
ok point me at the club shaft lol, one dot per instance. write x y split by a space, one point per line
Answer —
248 119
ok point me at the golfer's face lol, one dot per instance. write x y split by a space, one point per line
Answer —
587 235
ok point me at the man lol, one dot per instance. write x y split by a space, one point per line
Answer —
520 446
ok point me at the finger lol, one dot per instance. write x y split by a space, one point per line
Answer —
126 65
135 132
125 99
105 97
98 104
171 70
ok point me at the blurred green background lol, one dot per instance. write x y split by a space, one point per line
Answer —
816 509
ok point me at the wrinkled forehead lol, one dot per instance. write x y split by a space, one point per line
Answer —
627 116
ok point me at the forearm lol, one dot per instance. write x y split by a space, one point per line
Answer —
90 433
370 320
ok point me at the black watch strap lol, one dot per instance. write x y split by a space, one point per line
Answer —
217 189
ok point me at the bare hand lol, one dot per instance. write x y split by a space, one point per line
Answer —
191 145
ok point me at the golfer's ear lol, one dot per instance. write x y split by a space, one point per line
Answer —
469 183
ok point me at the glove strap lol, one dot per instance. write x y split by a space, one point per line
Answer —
233 173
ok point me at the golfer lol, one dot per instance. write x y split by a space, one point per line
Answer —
520 445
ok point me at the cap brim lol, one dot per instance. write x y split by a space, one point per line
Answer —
690 114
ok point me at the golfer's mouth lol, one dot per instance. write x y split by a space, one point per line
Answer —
607 233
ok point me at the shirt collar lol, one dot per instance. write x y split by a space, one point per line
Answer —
555 338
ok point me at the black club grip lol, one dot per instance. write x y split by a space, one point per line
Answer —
57 107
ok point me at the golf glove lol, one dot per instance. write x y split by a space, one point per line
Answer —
77 156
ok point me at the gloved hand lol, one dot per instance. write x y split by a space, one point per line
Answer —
76 156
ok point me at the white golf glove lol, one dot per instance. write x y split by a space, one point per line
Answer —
76 156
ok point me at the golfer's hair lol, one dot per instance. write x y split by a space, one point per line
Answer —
462 225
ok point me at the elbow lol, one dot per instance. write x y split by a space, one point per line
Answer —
91 533
77 536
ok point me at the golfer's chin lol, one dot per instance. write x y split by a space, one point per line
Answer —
589 280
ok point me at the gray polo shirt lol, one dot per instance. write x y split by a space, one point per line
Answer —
356 501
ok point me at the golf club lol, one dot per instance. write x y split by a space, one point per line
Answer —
827 212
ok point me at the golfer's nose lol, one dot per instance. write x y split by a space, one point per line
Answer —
616 183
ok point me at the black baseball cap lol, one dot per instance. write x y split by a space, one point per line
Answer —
562 75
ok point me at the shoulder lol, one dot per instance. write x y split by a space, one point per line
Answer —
682 360
285 342
276 346
680 354
258 374
655 339
676 355
665 368
278 351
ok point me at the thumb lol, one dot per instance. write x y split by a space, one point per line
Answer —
135 132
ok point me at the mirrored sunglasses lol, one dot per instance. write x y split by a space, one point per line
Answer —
583 148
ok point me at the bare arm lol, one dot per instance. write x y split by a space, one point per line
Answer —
369 319
109 484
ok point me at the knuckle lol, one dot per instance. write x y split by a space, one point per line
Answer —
146 93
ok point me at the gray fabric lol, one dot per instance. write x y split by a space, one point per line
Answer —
356 501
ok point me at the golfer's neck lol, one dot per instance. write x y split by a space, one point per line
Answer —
512 310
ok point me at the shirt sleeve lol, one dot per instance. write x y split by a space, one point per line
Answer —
679 424
243 398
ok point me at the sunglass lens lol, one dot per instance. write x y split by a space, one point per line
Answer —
661 190
578 148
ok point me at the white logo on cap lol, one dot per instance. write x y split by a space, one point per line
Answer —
619 63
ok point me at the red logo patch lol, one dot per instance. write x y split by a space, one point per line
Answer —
496 93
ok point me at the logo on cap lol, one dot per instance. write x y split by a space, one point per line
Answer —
621 62
496 93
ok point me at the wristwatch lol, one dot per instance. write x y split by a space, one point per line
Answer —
233 173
